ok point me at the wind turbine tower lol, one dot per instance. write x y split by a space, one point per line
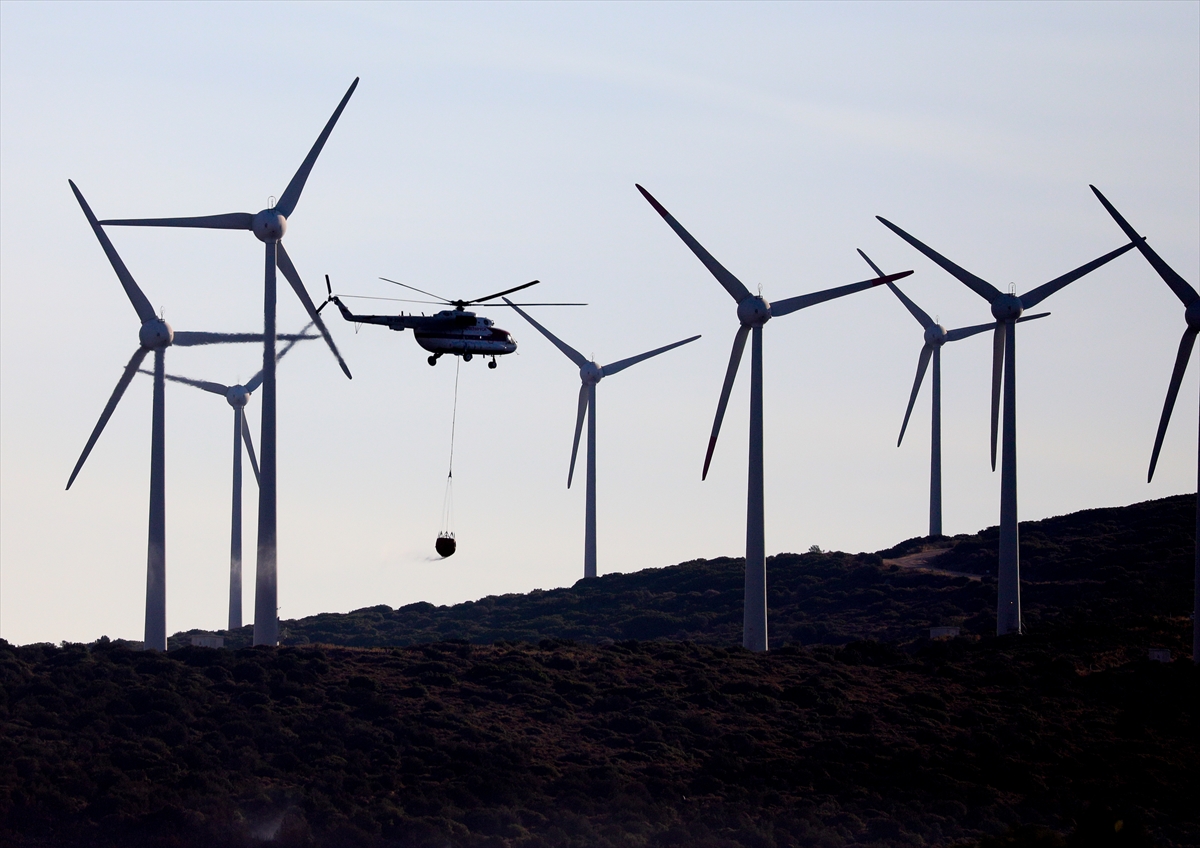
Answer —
154 337
268 226
1190 298
935 336
589 375
237 397
1007 310
753 312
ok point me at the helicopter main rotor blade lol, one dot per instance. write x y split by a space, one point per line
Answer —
501 294
529 304
414 288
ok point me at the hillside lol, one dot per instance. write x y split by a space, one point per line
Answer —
1081 566
860 732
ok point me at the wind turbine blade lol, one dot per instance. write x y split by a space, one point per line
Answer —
228 221
215 388
621 365
966 332
922 364
506 291
732 284
289 270
792 304
292 339
980 286
192 339
141 303
917 312
583 408
1181 363
571 353
246 437
735 358
122 384
291 194
1183 290
997 374
1036 296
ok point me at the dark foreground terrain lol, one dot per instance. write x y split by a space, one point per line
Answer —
857 731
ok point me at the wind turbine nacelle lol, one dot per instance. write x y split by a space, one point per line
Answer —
590 373
156 334
1007 307
1193 316
269 225
754 311
935 334
237 396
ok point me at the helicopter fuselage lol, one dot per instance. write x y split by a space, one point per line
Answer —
451 331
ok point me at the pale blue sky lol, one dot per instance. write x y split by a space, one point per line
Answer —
489 144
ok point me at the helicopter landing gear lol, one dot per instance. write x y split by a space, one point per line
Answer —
492 364
466 357
432 360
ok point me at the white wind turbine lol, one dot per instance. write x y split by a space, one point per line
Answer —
237 397
1190 298
268 226
935 336
1006 309
155 336
589 375
753 312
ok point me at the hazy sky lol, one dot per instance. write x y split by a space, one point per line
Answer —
490 144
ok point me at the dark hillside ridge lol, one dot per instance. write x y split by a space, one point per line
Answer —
1068 736
1070 566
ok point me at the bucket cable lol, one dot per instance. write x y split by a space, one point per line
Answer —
448 500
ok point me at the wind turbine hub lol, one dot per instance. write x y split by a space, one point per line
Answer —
754 311
1007 307
590 374
269 225
237 396
156 334
935 334
1193 316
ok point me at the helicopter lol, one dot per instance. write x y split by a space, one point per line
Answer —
455 331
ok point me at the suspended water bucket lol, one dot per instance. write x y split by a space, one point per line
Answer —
445 544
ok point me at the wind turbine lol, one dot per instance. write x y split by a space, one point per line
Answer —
1191 303
154 336
237 397
935 336
268 226
589 375
753 312
1006 309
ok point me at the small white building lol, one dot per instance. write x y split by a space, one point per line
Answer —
944 632
1160 655
208 641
